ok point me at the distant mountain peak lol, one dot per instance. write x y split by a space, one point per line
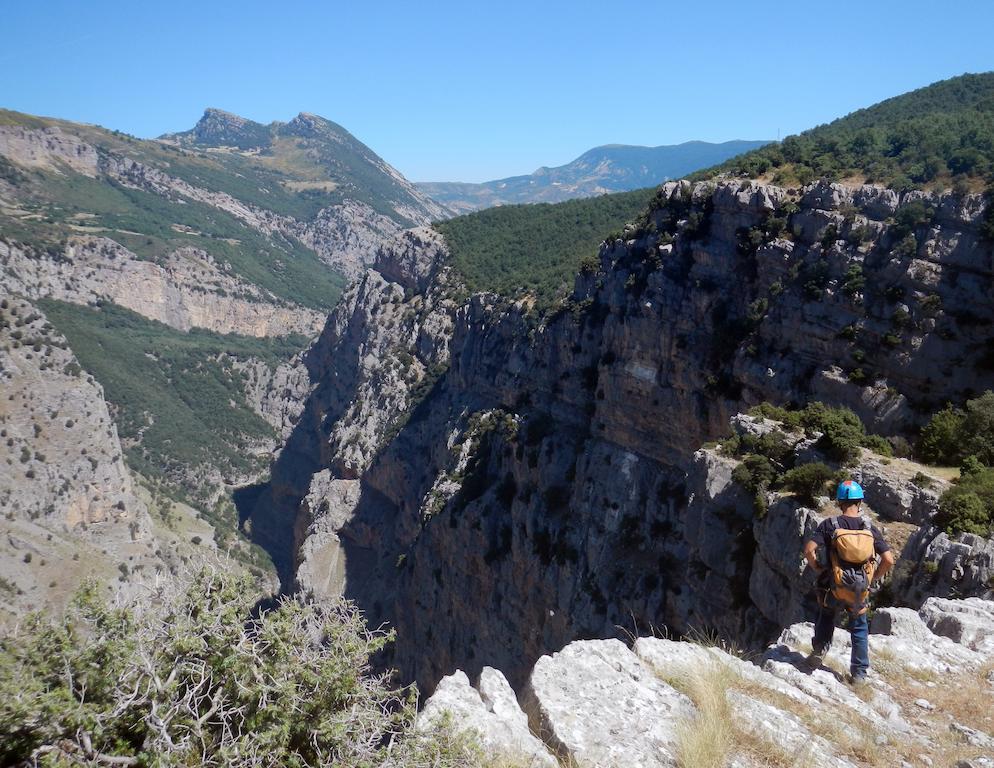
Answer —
219 128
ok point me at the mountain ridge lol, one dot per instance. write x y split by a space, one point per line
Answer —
603 169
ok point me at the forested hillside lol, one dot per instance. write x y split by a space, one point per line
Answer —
535 250
938 136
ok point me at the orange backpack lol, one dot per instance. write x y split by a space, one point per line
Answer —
853 562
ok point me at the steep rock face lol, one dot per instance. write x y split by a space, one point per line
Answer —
666 703
947 566
188 290
539 492
56 429
277 394
379 350
62 474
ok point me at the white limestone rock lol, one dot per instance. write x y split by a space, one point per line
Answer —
969 622
598 705
491 712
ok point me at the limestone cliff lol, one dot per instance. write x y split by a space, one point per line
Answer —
62 474
187 290
545 487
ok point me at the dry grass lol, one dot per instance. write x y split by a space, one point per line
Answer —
705 740
764 752
711 737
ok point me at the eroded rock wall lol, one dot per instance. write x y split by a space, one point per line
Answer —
538 490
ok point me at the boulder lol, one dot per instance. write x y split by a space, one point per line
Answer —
900 622
969 622
892 492
492 712
598 705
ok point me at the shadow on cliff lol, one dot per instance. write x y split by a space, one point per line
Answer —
267 512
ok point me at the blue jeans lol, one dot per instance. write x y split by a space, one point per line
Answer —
859 628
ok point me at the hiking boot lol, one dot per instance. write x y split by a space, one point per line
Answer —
858 681
817 656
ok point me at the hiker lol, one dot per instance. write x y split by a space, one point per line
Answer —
849 546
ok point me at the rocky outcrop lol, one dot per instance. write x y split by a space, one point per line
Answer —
667 703
946 566
491 711
48 149
188 289
276 393
546 488
969 622
347 235
595 703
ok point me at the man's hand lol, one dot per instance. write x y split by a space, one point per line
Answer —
811 555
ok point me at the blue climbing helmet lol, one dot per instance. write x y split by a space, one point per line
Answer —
849 490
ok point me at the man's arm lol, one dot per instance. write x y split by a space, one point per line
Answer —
886 563
811 555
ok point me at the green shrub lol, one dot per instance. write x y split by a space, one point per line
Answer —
939 439
756 474
968 505
842 434
878 445
202 680
952 434
971 466
773 445
808 480
977 432
963 511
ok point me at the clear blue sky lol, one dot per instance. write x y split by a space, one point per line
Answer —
470 91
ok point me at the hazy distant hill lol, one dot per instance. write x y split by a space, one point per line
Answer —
611 168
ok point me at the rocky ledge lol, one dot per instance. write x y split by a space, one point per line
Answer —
929 700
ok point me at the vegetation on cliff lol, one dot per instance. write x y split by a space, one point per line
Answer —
179 402
768 461
535 250
202 677
931 137
964 437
